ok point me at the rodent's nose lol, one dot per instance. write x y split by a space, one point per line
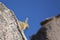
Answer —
26 27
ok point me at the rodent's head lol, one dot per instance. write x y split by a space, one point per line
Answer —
23 25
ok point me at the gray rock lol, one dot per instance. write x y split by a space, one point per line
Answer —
9 29
50 29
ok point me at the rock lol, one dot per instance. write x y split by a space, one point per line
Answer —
50 29
9 28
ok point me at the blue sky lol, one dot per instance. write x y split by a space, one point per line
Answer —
35 10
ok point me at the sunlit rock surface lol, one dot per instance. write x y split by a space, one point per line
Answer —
9 29
50 29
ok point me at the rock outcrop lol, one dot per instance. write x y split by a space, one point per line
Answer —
50 29
9 28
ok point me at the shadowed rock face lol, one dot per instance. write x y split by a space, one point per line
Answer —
50 30
41 35
9 28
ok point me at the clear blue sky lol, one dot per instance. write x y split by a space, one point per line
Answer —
35 10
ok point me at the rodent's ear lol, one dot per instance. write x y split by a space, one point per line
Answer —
26 21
